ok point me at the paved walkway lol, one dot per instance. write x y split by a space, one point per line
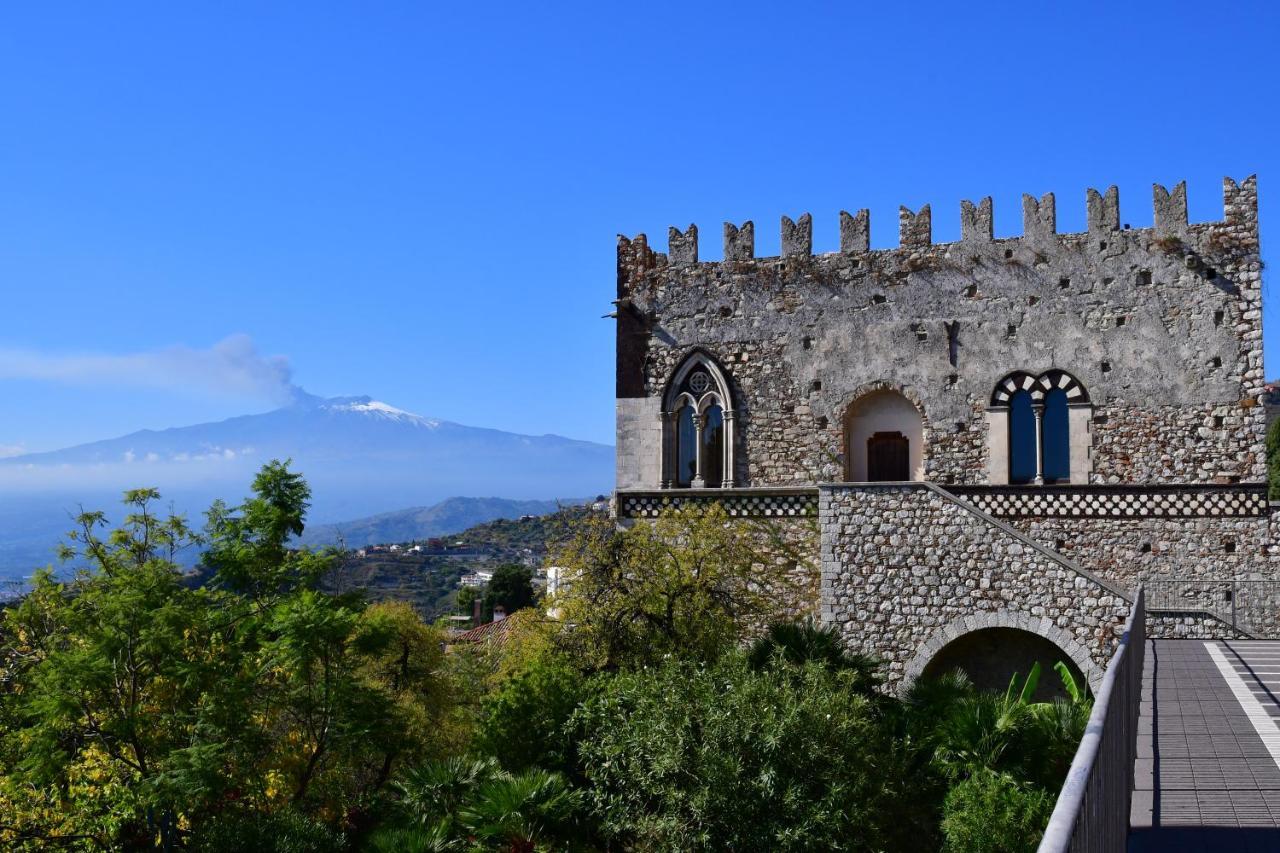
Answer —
1207 776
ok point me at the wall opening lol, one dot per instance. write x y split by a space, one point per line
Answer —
991 656
1056 438
884 439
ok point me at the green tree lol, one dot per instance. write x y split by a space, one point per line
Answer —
511 587
141 712
525 723
1273 460
690 583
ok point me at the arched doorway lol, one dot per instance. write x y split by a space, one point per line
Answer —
991 656
884 438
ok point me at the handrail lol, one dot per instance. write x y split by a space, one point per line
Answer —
1092 811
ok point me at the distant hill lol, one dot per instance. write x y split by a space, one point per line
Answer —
430 581
359 455
424 522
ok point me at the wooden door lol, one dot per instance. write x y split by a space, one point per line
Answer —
888 457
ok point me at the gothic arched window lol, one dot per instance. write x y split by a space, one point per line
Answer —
1040 419
697 432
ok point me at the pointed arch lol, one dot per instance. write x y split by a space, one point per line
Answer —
698 420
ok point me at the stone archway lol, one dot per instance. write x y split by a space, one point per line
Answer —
990 647
883 436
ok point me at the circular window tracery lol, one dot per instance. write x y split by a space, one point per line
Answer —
699 383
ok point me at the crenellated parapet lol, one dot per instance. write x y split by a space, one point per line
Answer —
1039 224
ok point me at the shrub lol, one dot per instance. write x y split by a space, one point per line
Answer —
722 756
803 642
255 832
991 813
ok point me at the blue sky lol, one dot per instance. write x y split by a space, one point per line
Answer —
201 204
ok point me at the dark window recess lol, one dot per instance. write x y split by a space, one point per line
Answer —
1146 548
1217 421
921 333
1060 544
1217 362
1064 283
1106 367
1120 321
1102 247
1210 273
971 290
1144 276
888 457
1022 439
961 426
952 380
1229 546
1011 331
788 409
1055 438
877 299
1032 300
816 386
953 342
1218 317
726 311
807 343
822 422
856 263
1008 253
1106 279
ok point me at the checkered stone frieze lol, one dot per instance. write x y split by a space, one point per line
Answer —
753 505
1034 502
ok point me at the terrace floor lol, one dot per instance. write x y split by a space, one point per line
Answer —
1207 774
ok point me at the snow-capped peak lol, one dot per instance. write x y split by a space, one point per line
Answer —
375 409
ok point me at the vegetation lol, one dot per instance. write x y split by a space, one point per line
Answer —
1273 460
265 710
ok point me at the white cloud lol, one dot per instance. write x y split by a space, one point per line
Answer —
7 450
232 366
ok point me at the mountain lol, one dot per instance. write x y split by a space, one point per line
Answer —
361 457
450 516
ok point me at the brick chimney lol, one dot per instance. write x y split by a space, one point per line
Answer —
477 612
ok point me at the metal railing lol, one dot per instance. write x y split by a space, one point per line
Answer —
1092 812
1251 606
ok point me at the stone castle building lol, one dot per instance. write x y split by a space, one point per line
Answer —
1000 438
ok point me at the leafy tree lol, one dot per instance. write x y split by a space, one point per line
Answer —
511 587
690 583
525 724
141 712
466 600
104 678
690 756
1273 460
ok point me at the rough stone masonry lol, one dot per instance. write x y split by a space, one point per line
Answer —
1098 395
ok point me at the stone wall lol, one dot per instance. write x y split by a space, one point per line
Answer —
1162 326
1125 551
907 568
